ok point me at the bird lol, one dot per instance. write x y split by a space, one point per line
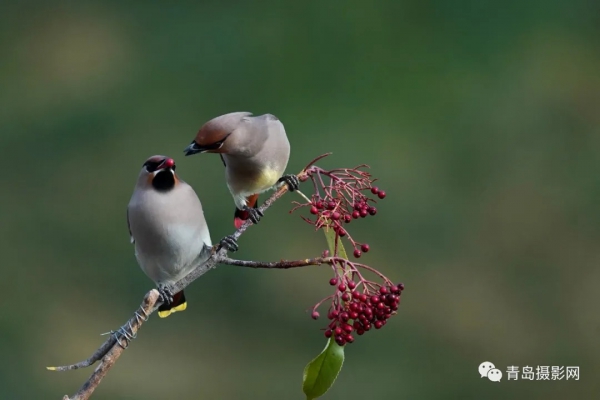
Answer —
255 151
167 227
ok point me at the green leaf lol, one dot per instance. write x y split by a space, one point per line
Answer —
320 373
330 236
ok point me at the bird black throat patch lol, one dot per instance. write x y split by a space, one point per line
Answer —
163 181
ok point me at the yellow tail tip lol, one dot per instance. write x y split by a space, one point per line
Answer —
51 368
166 313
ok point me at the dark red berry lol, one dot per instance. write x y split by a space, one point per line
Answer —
346 296
374 190
372 210
363 213
335 216
367 327
363 297
401 286
331 205
353 314
358 332
355 214
351 285
319 205
341 232
340 340
357 253
374 300
381 194
328 333
347 218
333 314
348 328
365 248
383 290
314 210
344 316
315 315
380 306
338 331
333 281
355 296
342 287
378 324
349 338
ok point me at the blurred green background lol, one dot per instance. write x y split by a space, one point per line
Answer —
480 119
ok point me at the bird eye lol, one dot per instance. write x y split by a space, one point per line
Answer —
151 166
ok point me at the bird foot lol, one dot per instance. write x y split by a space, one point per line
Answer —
166 296
229 243
291 181
254 214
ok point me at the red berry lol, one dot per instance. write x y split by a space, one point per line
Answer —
357 253
357 325
342 287
351 285
328 333
348 328
365 248
346 296
355 214
331 205
319 205
378 324
333 281
374 300
344 316
341 232
401 286
357 206
358 332
338 331
340 340
315 315
347 218
314 210
353 314
380 306
383 290
363 213
374 190
372 210
381 194
349 338
363 297
335 216
333 314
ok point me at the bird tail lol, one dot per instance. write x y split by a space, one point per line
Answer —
178 304
241 216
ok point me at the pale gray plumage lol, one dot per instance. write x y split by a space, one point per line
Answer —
167 226
255 151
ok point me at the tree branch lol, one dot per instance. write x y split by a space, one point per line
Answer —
283 264
110 351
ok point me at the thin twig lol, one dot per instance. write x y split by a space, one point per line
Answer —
110 351
283 264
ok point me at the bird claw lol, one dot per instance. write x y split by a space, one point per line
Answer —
229 243
166 296
254 214
291 181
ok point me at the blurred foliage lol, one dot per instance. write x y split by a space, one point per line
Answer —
480 119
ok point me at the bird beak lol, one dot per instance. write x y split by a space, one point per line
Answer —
194 148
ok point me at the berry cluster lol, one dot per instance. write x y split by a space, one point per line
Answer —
340 196
358 305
